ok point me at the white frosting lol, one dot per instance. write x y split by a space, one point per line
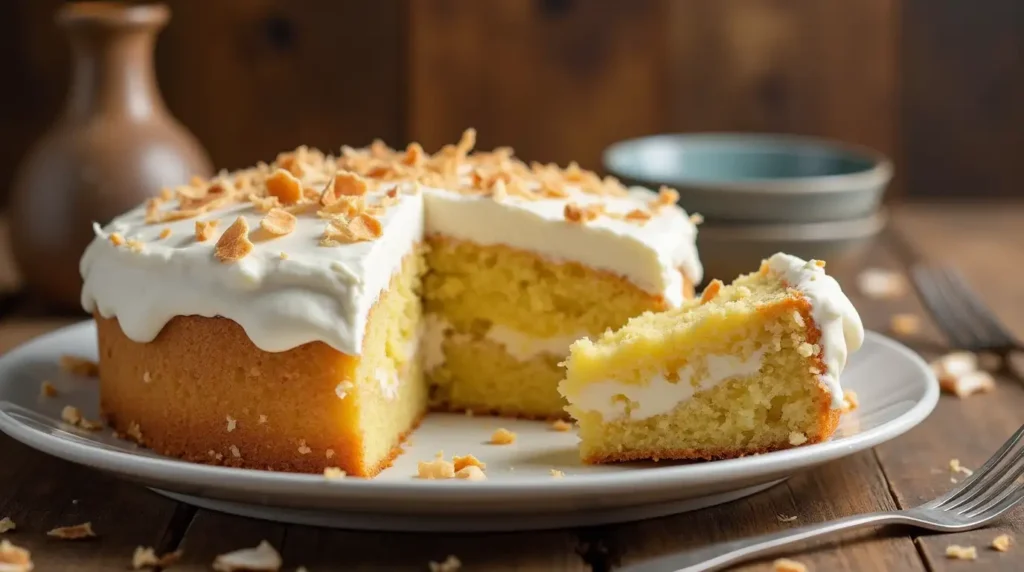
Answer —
525 347
325 293
660 395
841 329
652 256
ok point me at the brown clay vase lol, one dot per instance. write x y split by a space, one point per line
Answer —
114 145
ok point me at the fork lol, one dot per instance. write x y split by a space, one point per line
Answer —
982 497
959 313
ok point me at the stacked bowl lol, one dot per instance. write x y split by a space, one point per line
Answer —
761 194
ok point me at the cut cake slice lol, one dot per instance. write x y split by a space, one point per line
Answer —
750 367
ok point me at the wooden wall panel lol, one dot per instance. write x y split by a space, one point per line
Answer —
556 80
816 67
963 108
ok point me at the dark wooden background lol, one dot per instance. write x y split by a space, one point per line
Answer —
937 84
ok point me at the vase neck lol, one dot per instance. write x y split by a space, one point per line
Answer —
112 74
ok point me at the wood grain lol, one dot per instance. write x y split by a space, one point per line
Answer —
557 81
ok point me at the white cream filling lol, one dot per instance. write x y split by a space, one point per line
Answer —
660 395
842 332
521 346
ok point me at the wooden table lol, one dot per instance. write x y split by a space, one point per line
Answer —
987 242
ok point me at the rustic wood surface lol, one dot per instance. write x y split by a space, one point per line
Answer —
40 492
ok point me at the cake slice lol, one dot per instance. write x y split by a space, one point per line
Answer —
748 368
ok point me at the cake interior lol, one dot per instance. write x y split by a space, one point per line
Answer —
502 319
730 375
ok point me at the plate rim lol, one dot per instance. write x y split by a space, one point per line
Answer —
159 469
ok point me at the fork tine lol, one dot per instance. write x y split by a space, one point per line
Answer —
968 484
997 485
957 306
938 307
997 509
981 508
993 331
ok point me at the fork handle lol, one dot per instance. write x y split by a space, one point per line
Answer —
717 556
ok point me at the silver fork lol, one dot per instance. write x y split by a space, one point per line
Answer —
958 311
991 491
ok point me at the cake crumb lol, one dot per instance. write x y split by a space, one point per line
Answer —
796 438
956 552
165 232
1002 543
235 452
561 425
71 415
881 284
145 557
850 401
135 432
450 564
76 532
7 525
557 474
232 423
14 558
467 461
135 245
234 244
329 453
79 366
262 419
116 239
470 473
283 255
905 324
956 467
303 448
333 473
968 384
436 469
787 565
784 518
263 558
46 389
502 436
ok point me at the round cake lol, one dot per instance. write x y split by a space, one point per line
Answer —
307 313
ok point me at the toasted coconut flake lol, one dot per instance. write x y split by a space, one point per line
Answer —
850 401
638 215
7 525
46 389
787 565
205 228
414 155
557 474
968 384
666 197
956 467
711 291
14 558
116 239
283 185
166 194
450 564
696 218
499 191
582 214
71 415
467 461
502 436
145 557
165 233
79 366
346 184
234 244
135 245
466 143
561 425
363 227
76 532
278 222
263 558
264 204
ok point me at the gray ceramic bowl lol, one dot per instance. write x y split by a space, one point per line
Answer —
730 249
756 178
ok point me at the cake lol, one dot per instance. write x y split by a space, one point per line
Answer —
748 368
307 313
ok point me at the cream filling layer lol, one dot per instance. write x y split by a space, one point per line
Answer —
521 346
616 400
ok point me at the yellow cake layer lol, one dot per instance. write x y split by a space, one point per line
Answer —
755 321
474 289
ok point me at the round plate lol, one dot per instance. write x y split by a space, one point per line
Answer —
896 390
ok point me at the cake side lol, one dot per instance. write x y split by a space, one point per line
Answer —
202 391
741 371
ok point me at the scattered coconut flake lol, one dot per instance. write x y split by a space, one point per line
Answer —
450 564
850 400
1002 542
881 284
7 525
436 469
956 552
467 461
234 244
956 467
263 558
205 229
333 473
145 557
557 474
14 558
278 222
76 532
561 425
470 473
284 186
502 436
969 384
787 565
46 389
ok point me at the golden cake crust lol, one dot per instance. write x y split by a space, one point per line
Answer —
203 370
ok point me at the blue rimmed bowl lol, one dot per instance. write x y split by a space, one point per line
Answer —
757 178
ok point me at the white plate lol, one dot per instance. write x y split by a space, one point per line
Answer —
896 390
